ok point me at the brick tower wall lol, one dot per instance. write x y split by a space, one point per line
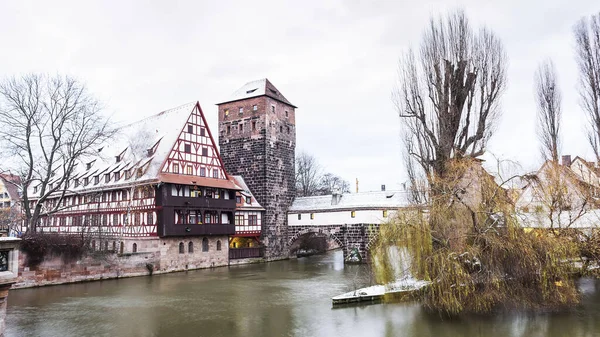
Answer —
264 156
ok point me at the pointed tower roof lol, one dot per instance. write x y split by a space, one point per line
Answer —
262 87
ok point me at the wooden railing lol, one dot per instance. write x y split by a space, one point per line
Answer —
244 253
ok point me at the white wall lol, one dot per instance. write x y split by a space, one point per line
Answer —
339 218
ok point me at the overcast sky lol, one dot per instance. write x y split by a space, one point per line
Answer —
335 60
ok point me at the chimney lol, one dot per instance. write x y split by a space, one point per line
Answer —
566 160
382 188
336 196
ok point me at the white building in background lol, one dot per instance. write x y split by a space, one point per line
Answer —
349 209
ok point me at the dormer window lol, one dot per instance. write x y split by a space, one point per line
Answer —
106 178
248 200
35 189
273 91
117 175
76 182
86 181
96 180
251 91
88 166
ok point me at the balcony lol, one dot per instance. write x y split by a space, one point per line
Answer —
197 230
245 253
199 202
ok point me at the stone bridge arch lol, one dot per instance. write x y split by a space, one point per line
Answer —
331 232
347 236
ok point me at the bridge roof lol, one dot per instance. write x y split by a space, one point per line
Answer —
352 201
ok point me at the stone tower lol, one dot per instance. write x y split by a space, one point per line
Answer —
257 139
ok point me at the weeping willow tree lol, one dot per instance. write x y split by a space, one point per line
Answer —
467 241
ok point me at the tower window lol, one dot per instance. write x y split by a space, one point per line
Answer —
228 129
241 111
272 108
205 151
288 129
286 114
202 132
253 126
255 107
187 148
241 127
226 112
281 129
190 128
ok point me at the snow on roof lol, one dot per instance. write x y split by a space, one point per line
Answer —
262 87
11 184
239 180
363 200
131 145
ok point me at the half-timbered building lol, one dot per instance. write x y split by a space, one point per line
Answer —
158 187
249 214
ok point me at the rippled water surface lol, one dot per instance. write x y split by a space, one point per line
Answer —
286 298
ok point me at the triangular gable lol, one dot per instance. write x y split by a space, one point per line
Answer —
194 152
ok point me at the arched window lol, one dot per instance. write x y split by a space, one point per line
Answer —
218 244
190 247
205 245
134 248
181 248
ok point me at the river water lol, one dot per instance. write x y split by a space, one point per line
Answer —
286 298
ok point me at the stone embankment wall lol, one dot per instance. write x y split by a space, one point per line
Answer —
151 256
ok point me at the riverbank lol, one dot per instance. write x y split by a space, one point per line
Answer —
141 257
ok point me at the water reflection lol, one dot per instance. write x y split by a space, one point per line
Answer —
287 298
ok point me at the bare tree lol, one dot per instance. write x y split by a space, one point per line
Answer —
549 114
448 93
48 124
417 183
330 183
587 50
308 175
